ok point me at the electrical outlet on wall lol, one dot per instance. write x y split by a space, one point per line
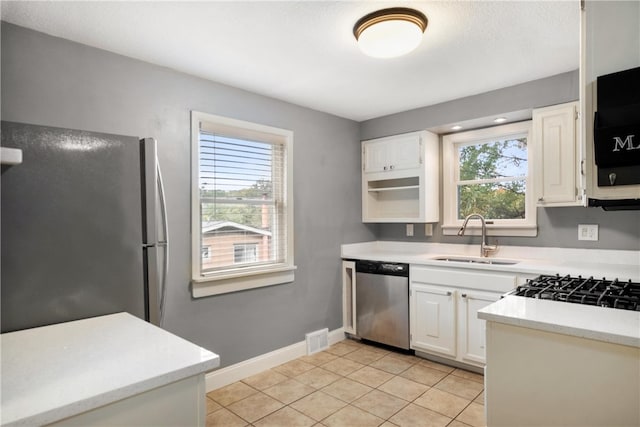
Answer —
409 229
587 231
428 230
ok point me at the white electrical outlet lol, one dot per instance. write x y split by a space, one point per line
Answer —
428 230
587 231
409 229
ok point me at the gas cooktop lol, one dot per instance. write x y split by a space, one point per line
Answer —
580 290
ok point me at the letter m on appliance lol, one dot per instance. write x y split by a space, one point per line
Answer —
619 144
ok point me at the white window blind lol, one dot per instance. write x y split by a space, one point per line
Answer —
241 200
242 205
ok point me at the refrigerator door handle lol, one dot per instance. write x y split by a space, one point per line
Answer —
150 231
163 243
151 253
155 209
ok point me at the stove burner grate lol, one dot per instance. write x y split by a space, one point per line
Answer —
579 290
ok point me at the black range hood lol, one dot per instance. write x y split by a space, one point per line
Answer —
616 135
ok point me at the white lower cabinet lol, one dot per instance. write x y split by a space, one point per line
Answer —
181 403
433 319
573 381
472 337
444 308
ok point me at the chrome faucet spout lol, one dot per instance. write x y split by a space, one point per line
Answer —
485 249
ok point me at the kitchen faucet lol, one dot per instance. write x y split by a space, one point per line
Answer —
484 248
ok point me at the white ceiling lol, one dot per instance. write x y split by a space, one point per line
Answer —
304 52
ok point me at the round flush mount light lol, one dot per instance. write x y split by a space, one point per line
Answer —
388 33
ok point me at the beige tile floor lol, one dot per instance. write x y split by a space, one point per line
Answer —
352 384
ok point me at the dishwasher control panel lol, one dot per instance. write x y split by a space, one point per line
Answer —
379 267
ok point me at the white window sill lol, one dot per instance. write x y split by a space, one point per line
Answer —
524 230
222 284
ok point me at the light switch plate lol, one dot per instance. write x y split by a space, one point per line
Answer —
409 229
587 231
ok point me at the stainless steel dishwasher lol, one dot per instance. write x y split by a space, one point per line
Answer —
382 302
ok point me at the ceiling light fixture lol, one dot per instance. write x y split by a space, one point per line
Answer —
456 127
500 120
390 32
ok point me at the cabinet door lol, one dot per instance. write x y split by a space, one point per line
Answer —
404 152
471 330
433 320
556 161
374 154
392 153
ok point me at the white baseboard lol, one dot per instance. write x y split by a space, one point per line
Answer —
247 368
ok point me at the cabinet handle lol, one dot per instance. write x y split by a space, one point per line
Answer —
439 292
385 168
478 298
391 167
541 199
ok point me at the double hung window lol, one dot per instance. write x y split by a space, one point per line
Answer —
241 205
488 171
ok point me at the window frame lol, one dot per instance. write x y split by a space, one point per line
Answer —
527 227
233 280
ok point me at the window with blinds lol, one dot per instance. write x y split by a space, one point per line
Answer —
243 212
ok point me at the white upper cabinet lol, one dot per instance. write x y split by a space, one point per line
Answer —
392 153
557 156
401 178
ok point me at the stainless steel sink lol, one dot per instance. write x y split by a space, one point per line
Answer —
476 260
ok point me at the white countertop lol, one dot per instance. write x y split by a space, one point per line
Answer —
584 321
598 323
624 265
58 371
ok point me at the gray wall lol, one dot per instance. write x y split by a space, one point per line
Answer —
539 93
557 227
50 81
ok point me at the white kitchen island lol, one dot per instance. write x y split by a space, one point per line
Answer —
107 370
552 363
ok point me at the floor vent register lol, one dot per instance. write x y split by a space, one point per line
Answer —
317 341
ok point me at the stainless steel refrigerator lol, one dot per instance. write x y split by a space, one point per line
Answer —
83 225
